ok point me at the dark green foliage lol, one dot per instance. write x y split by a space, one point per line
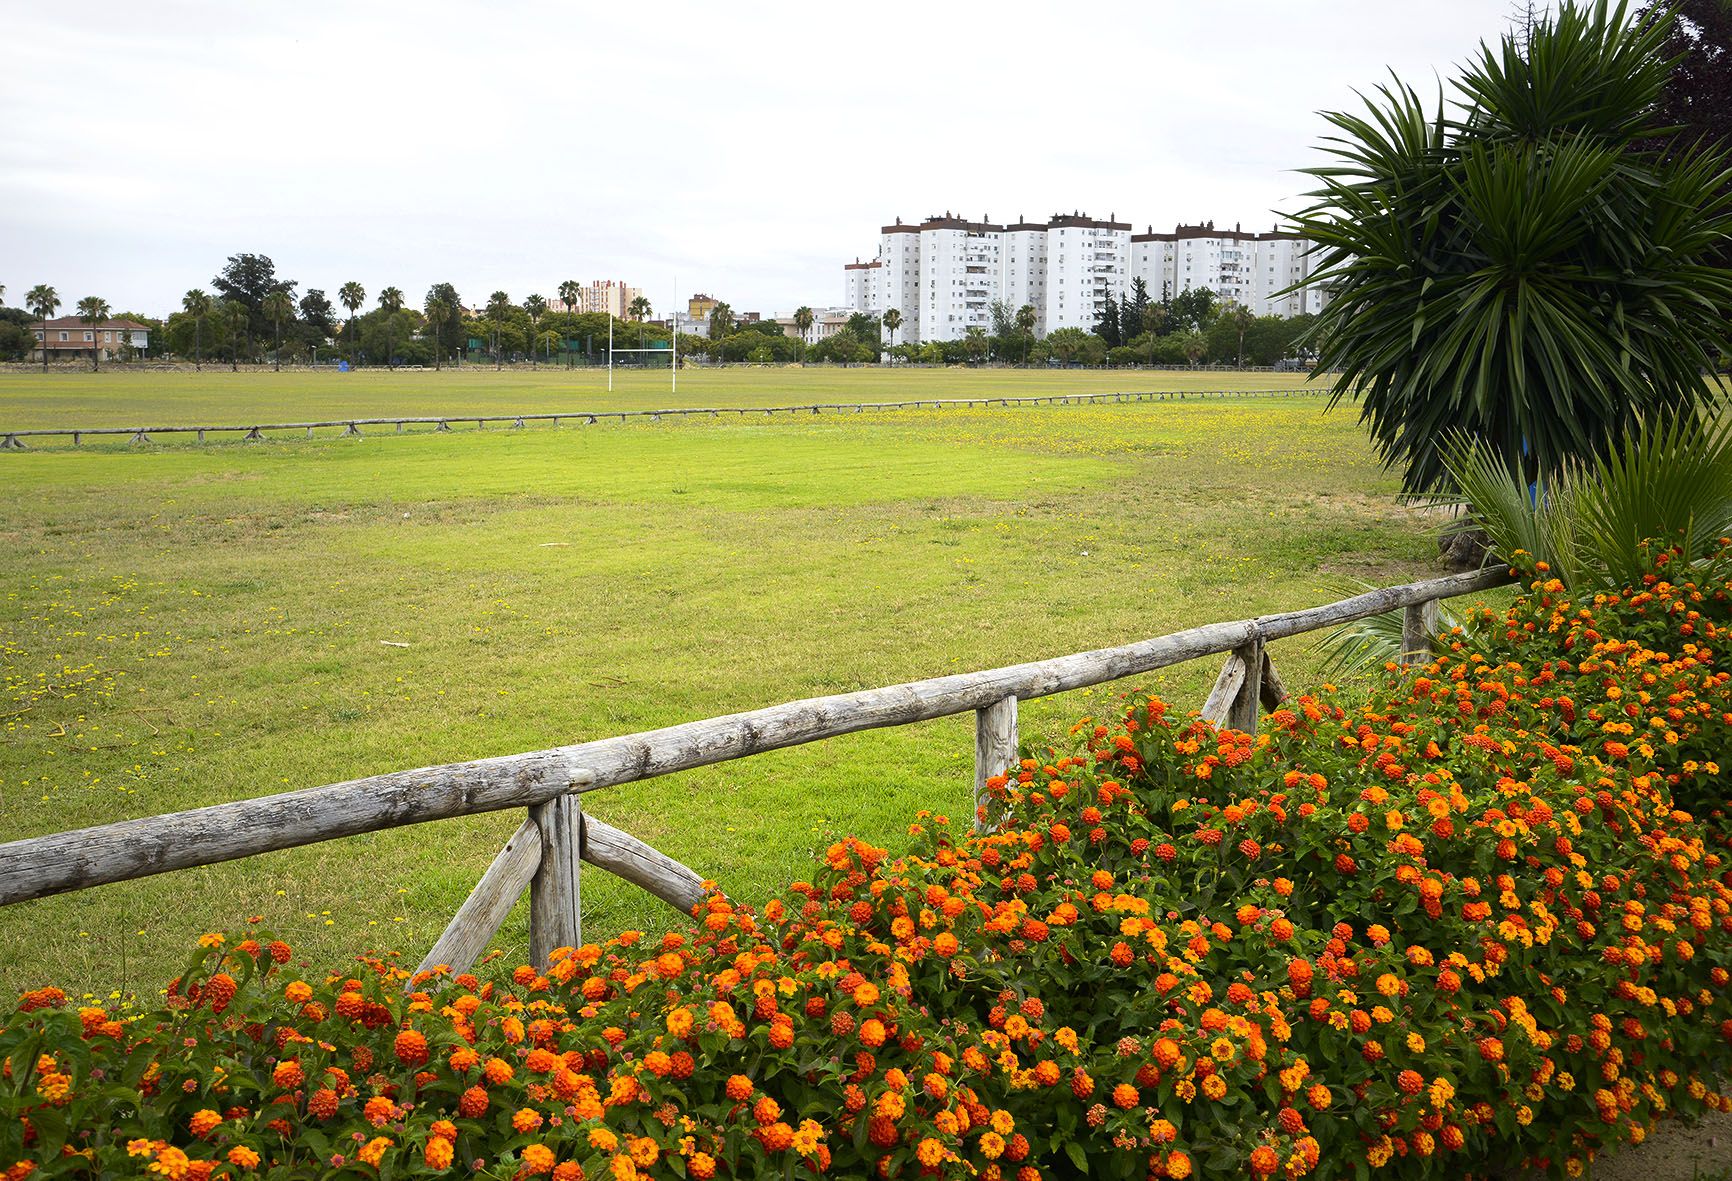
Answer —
1107 324
317 312
1530 270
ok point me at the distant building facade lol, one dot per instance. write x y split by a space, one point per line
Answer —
69 336
945 273
612 296
1247 269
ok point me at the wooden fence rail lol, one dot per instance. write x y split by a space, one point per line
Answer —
546 852
13 440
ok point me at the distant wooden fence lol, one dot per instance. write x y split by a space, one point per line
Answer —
546 852
351 427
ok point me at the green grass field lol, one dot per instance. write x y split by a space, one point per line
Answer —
184 625
75 397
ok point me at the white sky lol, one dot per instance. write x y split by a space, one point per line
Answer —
751 148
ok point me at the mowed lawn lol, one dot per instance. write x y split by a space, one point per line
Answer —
185 625
69 396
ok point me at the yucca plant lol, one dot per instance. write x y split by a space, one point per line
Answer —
1595 523
1533 264
1669 483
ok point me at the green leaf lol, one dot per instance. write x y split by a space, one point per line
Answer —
1078 1157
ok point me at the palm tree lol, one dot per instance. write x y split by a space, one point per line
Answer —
536 306
235 312
1195 346
640 310
43 301
569 291
436 309
93 310
390 302
278 307
721 321
197 305
352 295
803 322
445 297
498 308
892 320
1026 319
1242 320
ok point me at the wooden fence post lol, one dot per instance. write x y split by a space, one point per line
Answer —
555 903
1243 714
995 751
1232 703
1418 626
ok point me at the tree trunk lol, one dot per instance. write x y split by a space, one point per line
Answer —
197 345
96 350
277 361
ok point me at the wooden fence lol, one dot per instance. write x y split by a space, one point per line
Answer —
351 427
547 851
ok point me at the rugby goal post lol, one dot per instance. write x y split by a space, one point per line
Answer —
672 351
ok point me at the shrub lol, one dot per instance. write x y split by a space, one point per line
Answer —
1463 920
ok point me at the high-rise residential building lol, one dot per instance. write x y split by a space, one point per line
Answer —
945 274
1087 261
1248 269
1022 274
899 252
864 282
959 263
601 295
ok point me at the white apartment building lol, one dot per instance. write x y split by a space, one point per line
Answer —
899 288
863 284
1086 261
945 273
1247 269
1023 274
1283 260
959 265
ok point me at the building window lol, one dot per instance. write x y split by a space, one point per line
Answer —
63 336
90 336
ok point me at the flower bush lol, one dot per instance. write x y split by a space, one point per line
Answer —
1479 913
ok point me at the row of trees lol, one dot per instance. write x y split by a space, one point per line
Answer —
250 314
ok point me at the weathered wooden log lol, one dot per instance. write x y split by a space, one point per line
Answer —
1218 706
1418 626
40 866
1390 598
555 895
1242 715
1274 692
473 926
995 751
622 854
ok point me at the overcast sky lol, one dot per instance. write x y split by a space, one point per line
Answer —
746 150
